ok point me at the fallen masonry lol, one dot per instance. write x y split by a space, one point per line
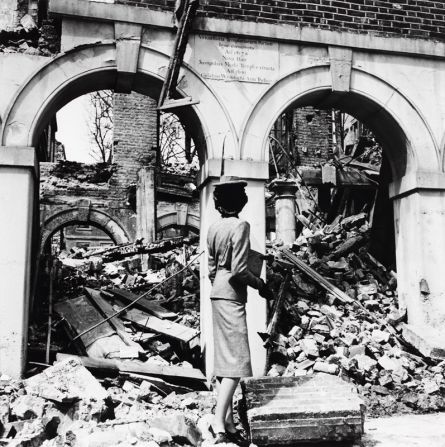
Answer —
339 314
125 342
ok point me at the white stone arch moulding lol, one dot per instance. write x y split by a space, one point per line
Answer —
94 217
170 219
422 150
442 146
93 67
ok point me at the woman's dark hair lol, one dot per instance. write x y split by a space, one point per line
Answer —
229 199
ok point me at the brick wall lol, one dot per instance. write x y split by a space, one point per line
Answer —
111 189
306 133
135 138
312 135
409 18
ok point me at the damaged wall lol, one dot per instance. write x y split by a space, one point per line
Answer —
135 139
108 188
111 188
11 12
312 135
26 29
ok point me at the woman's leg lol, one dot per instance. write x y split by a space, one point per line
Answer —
223 411
230 421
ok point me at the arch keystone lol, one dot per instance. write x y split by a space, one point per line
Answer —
128 44
340 67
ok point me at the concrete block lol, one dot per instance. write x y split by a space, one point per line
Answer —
427 341
293 410
66 381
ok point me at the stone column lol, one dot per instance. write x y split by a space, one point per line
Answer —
285 210
146 205
255 173
18 180
419 215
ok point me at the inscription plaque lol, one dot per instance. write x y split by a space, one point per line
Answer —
231 59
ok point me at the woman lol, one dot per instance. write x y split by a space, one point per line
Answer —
228 246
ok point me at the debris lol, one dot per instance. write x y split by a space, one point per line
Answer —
176 331
149 306
181 429
66 381
80 314
309 347
361 337
107 310
28 407
148 368
313 274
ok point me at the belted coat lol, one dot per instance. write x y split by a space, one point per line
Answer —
228 244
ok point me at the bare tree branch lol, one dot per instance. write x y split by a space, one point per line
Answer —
101 125
177 149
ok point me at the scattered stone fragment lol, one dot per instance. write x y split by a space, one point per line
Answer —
386 363
309 347
430 386
365 362
28 407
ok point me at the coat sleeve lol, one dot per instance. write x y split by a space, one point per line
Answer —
240 257
211 261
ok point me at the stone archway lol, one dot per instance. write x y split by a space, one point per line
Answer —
417 178
392 116
172 219
93 217
94 67
71 74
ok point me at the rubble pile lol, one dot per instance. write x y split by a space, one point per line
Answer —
130 369
122 267
142 346
140 314
67 405
180 168
353 329
71 175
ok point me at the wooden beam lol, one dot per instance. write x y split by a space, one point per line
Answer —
345 177
301 265
179 332
145 304
80 314
115 322
180 45
143 368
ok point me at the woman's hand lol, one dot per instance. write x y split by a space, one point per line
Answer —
265 292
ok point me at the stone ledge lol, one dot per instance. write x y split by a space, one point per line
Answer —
415 181
19 157
105 12
245 169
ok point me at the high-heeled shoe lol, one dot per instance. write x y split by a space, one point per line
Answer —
237 438
221 437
